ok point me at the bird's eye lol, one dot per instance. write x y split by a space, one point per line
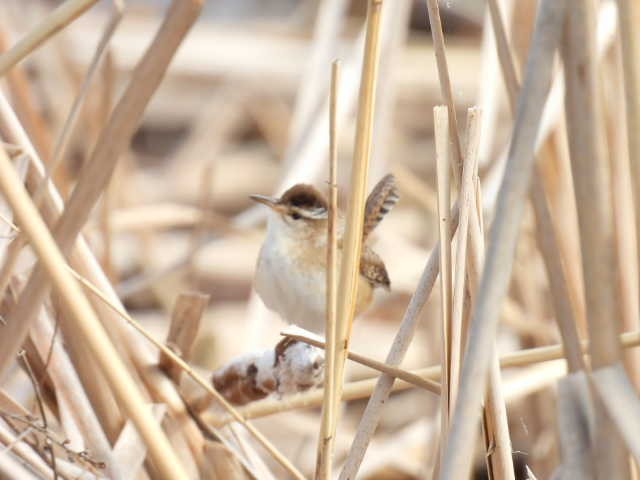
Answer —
295 216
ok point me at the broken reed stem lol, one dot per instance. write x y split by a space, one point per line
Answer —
87 324
445 84
503 238
56 21
324 459
591 177
405 375
183 329
365 388
469 264
443 166
166 351
495 420
463 267
352 241
629 18
545 231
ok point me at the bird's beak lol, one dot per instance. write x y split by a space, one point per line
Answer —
271 202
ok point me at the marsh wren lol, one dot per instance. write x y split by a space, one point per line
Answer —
291 268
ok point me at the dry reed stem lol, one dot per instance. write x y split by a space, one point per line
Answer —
443 167
467 225
59 152
503 238
495 420
445 84
324 459
623 213
260 438
352 241
183 329
95 385
11 468
309 96
69 391
56 21
407 376
592 190
62 142
24 451
628 19
82 258
365 388
96 173
10 405
546 235
25 104
87 323
621 400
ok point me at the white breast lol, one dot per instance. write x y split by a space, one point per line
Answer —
296 294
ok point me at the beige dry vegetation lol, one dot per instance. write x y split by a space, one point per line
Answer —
131 136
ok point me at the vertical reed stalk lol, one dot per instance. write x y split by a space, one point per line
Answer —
352 245
629 18
441 132
324 459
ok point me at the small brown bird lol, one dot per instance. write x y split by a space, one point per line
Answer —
291 267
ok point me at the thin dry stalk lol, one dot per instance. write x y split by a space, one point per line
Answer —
69 391
623 215
629 16
504 233
62 142
445 84
87 324
365 388
56 21
546 234
495 420
620 399
324 460
185 322
400 373
443 166
260 438
593 199
25 104
326 31
352 242
467 216
24 451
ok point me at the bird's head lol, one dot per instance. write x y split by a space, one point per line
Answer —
301 210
